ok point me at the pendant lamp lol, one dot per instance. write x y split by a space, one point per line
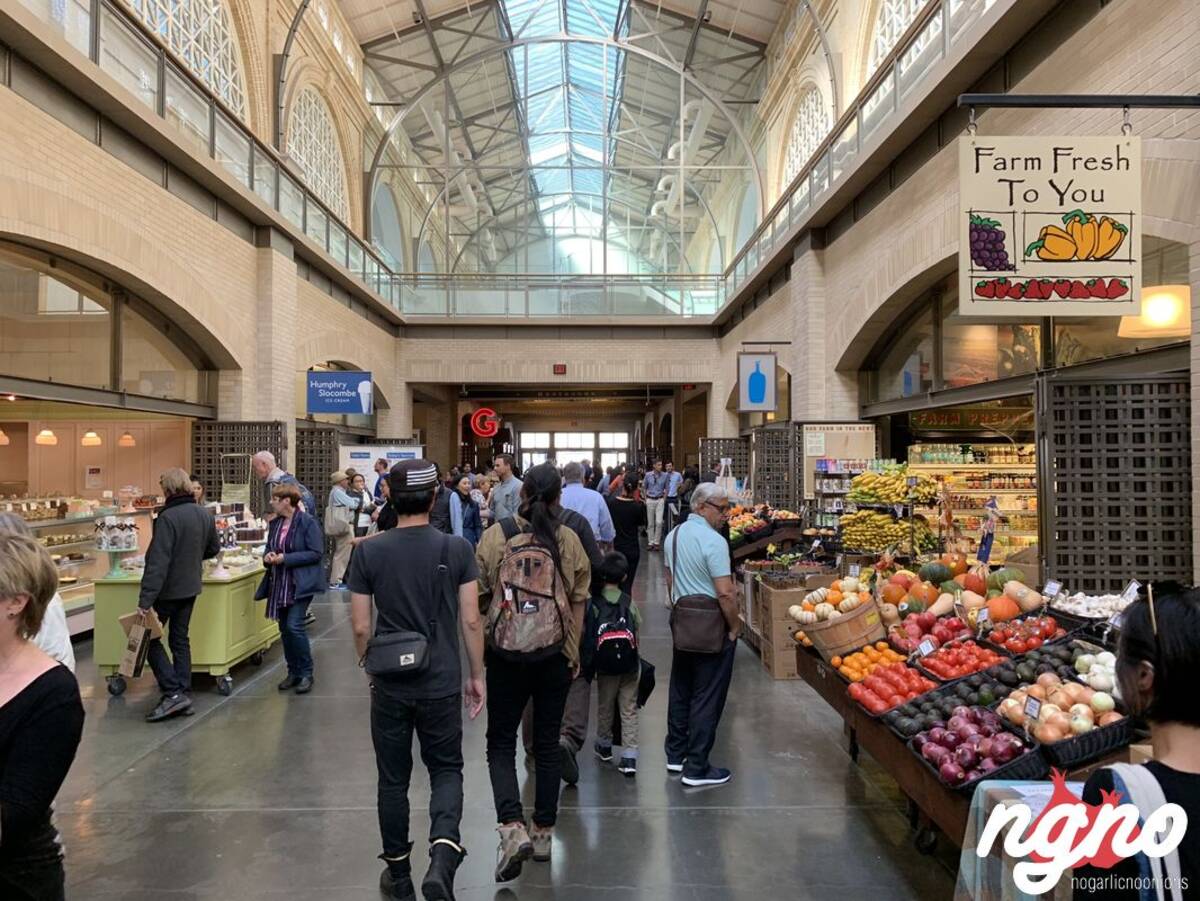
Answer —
91 439
1166 313
126 440
46 438
4 441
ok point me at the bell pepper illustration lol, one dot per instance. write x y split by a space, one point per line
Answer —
1053 245
1110 235
1084 231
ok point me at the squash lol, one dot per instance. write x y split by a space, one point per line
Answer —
889 614
924 592
956 563
815 597
1006 574
804 617
1027 599
1001 609
849 604
971 600
911 605
850 585
935 572
822 612
974 582
892 593
951 587
943 605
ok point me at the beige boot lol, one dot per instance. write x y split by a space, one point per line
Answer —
542 837
515 849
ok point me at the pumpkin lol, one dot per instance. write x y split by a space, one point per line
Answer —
1001 609
849 604
935 572
824 609
974 582
956 563
815 597
893 593
943 605
924 592
889 614
804 617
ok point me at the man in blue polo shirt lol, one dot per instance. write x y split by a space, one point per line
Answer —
671 511
654 487
697 559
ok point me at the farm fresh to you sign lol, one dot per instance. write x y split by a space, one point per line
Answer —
1050 226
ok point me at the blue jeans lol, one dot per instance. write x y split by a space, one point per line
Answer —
296 649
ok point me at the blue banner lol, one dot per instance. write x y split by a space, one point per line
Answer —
340 392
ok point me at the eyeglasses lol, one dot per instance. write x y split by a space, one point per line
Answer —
724 508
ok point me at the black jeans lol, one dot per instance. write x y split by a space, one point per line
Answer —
438 724
174 674
509 686
633 556
699 686
42 880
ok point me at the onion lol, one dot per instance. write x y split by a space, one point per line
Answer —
1081 710
967 731
952 740
937 734
987 765
952 773
963 711
1004 751
1083 663
985 748
966 757
1102 702
1081 724
1107 719
1048 710
1100 680
1038 691
920 740
935 754
1048 680
957 721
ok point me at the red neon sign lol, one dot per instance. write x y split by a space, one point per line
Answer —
484 423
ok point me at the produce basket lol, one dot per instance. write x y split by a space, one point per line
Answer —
1030 766
862 625
1071 753
941 680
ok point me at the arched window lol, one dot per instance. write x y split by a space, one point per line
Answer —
387 233
808 130
891 21
747 218
312 142
199 33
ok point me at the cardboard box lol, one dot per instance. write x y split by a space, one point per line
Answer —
779 631
777 600
779 659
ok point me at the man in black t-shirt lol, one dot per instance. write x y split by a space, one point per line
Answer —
401 570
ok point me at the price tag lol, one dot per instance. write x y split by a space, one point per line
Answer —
1129 595
925 648
839 561
899 508
912 481
1115 620
1053 589
1032 708
855 569
816 544
982 618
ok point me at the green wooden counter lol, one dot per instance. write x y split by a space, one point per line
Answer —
228 626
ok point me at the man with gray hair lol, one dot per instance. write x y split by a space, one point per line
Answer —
265 467
587 503
698 564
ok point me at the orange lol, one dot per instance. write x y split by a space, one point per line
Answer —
836 662
881 646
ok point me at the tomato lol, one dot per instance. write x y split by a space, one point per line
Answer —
1034 642
1016 645
1049 626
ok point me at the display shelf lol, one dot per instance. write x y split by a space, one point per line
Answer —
973 467
90 540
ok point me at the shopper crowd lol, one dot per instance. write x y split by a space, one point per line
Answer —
497 591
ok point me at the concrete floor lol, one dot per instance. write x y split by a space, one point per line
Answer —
266 796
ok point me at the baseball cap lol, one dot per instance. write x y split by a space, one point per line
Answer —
413 475
338 476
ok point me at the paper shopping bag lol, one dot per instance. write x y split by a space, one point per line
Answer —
136 648
151 622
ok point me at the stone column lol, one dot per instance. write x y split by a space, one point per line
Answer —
271 384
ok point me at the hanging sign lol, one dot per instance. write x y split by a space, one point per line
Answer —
340 392
484 423
756 383
1050 226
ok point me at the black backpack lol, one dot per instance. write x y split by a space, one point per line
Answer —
616 642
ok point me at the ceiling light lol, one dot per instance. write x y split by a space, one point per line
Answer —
91 439
126 440
4 442
46 438
1166 313
12 397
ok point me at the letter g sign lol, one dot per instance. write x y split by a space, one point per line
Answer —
484 423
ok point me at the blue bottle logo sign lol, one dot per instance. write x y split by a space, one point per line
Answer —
756 385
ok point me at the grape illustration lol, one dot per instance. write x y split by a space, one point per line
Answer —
987 245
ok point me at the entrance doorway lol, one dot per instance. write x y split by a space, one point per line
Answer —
609 448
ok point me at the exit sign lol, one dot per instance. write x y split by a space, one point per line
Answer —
560 368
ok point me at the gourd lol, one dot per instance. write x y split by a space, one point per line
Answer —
971 600
849 604
817 596
804 617
1008 574
889 614
850 585
823 611
1027 599
943 605
935 572
1001 609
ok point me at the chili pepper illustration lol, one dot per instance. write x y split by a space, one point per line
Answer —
1053 244
1110 235
1084 231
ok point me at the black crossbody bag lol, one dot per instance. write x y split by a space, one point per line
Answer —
406 653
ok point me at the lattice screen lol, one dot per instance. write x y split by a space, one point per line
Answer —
1118 478
210 440
775 466
713 450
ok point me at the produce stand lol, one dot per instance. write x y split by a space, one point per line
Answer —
227 626
781 538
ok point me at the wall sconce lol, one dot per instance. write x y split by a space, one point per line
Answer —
46 438
91 439
126 440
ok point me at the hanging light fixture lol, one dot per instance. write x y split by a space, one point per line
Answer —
1166 313
126 440
46 438
4 441
91 439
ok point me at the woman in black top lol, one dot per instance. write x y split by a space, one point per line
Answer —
41 721
628 515
1156 666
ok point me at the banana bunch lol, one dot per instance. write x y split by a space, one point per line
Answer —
873 531
892 487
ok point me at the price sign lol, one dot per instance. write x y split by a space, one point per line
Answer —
1115 620
1032 708
1053 589
1129 595
839 561
899 508
912 481
855 569
816 544
925 648
982 619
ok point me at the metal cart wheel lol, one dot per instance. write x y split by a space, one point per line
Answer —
258 657
926 840
116 685
225 685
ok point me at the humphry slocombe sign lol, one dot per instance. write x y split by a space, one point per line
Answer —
1050 226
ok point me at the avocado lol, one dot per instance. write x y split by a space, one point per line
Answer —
1026 672
973 699
975 681
963 689
1009 677
908 726
985 696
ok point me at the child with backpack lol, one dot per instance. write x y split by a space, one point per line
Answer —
610 651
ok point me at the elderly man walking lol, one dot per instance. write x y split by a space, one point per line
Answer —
588 503
700 586
655 488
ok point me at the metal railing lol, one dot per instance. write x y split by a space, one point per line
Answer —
117 41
